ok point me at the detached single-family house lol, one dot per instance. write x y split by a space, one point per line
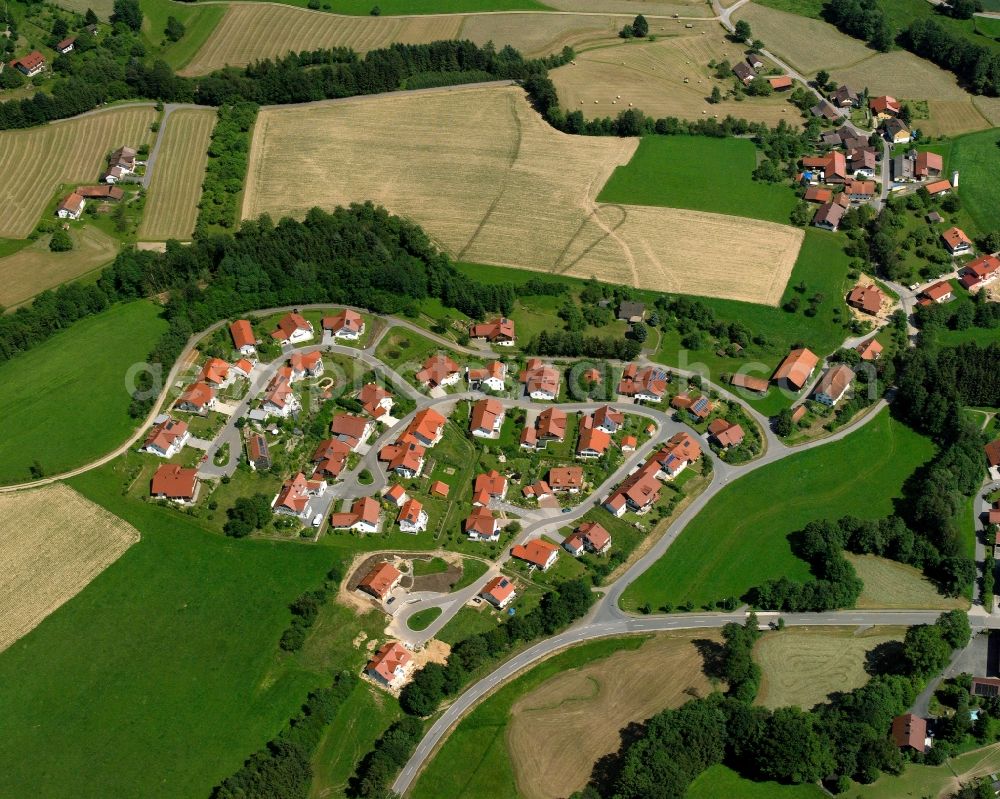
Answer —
197 398
538 490
588 537
928 165
755 61
956 241
938 187
279 399
293 498
350 429
608 419
859 190
30 64
980 271
380 580
645 385
242 368
329 459
492 376
376 401
498 331
243 338
895 131
796 369
306 365
438 370
426 428
834 384
568 479
680 451
347 325
71 207
938 292
725 434
412 517
489 486
992 451
550 425
482 525
541 380
487 418
499 592
362 517
631 311
390 665
396 495
405 458
215 372
293 329
869 350
844 97
698 406
258 453
828 216
861 161
66 45
866 298
121 162
884 106
910 732
638 492
538 553
166 438
592 442
175 483
744 72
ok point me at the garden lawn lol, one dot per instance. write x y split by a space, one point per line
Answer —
64 402
700 173
473 762
740 539
164 674
723 781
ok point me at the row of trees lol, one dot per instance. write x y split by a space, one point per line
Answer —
228 153
564 604
572 343
846 738
283 768
305 610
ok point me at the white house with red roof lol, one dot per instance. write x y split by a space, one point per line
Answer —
980 271
486 418
482 525
538 553
439 370
197 398
363 516
492 376
412 517
489 486
175 483
295 494
279 398
498 331
166 438
352 430
329 459
541 380
648 384
376 401
499 592
243 337
30 64
304 365
390 665
293 328
347 325
71 207
588 537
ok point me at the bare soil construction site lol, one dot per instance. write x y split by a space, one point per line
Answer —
492 183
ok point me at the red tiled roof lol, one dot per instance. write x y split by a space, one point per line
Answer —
197 395
501 329
869 350
780 82
289 324
163 435
909 730
592 439
937 187
498 589
349 427
379 580
867 298
993 453
884 103
439 488
651 380
370 396
437 369
329 458
595 534
242 333
748 382
940 289
816 194
796 367
726 434
955 237
214 371
481 521
410 512
492 482
389 658
540 377
346 320
485 414
174 482
30 61
536 552
565 477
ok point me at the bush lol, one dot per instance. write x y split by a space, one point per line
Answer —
60 241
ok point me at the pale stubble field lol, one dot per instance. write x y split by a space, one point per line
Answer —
492 183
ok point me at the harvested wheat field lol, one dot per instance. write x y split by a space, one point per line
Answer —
651 76
55 542
551 754
989 107
803 665
491 183
175 187
807 44
103 8
895 585
651 8
542 34
35 162
36 268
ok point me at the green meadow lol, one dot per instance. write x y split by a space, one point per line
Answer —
740 538
64 402
699 173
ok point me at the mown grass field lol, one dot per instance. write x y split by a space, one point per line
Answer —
740 539
175 188
721 781
889 584
977 159
162 675
473 762
399 7
525 196
700 173
199 22
35 268
65 402
933 780
36 162
802 666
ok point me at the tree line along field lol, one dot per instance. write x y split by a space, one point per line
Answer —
55 542
524 196
667 77
35 268
749 521
37 161
250 31
65 402
172 201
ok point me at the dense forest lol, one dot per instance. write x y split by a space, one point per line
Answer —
844 739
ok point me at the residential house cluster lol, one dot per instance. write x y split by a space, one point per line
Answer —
121 163
405 457
641 489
